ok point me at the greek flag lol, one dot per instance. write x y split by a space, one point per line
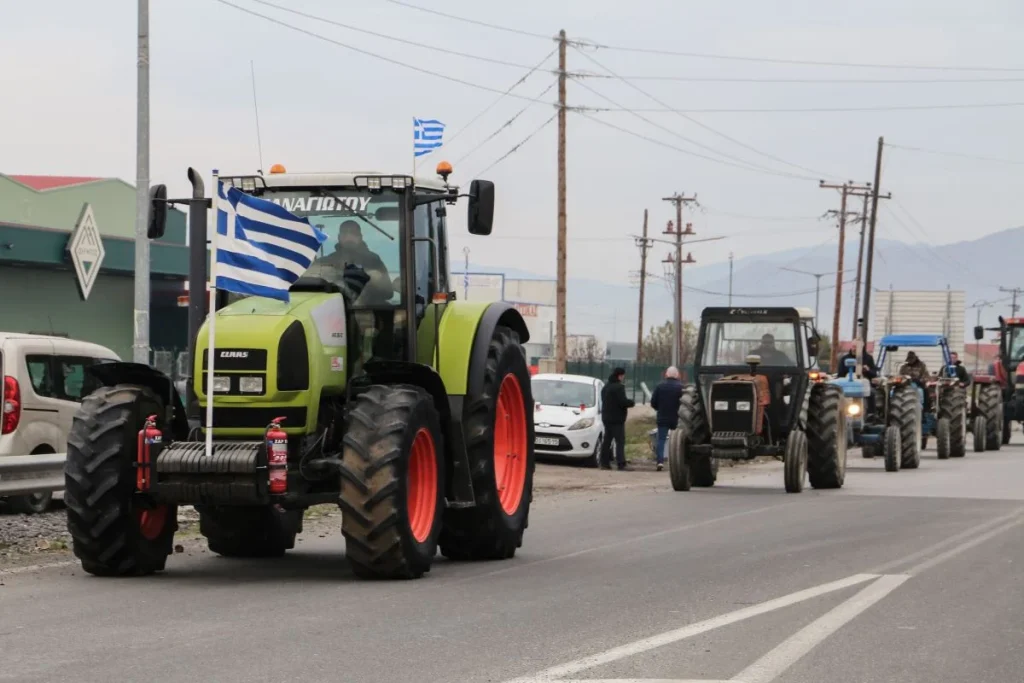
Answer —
426 135
262 248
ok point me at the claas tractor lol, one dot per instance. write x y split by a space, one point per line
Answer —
372 388
758 392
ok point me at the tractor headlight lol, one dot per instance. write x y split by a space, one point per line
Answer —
853 409
582 423
743 405
221 384
250 385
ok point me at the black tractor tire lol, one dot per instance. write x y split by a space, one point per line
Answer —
1007 430
979 432
263 531
892 448
488 530
990 404
826 437
110 534
942 438
953 406
905 412
35 504
393 434
678 466
795 461
694 422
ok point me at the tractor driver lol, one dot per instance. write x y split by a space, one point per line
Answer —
351 249
768 353
915 369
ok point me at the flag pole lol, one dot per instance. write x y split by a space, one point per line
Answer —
414 150
212 317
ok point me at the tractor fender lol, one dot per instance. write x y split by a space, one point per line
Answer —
464 337
459 488
122 372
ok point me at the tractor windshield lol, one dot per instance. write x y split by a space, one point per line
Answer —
1016 344
362 229
729 343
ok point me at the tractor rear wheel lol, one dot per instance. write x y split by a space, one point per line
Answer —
694 423
678 467
953 407
499 439
892 449
795 461
392 482
979 433
826 437
258 531
990 404
905 412
942 438
110 534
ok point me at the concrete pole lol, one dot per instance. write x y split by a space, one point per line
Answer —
140 337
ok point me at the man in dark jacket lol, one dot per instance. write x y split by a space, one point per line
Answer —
868 368
614 405
961 371
665 400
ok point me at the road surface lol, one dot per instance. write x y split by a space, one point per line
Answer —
909 576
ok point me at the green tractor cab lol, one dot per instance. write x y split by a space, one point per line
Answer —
372 388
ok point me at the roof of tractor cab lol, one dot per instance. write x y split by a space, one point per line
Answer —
912 340
336 179
756 312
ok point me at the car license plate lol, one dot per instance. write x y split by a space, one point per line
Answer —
542 441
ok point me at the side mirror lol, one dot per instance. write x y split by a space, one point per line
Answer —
157 212
481 207
979 333
812 346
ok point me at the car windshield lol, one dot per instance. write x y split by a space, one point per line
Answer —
556 392
729 343
362 229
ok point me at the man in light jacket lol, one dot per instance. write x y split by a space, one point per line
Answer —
665 400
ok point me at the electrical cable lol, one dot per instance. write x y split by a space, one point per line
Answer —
504 125
474 22
829 110
805 81
954 154
517 146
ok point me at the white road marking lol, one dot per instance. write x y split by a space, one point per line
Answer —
625 680
678 634
773 664
953 552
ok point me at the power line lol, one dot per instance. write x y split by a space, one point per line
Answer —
777 295
504 125
716 212
517 145
806 81
953 154
705 55
826 110
702 125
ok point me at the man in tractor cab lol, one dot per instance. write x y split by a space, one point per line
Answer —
917 371
351 249
768 353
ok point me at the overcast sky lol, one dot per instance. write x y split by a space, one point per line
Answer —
69 81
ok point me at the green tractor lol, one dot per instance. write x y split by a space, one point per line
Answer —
372 389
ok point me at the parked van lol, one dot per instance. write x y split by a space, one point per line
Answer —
44 380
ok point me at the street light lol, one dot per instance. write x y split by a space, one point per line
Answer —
817 287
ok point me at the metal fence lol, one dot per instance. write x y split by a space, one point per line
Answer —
23 475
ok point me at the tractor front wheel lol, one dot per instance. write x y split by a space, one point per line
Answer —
678 466
942 436
826 437
499 439
1007 426
110 534
694 424
392 483
905 413
795 461
892 448
979 433
990 404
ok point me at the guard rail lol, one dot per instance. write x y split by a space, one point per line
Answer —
23 475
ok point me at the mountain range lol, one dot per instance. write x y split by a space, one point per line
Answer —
979 267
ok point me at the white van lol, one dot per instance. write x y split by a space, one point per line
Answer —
44 380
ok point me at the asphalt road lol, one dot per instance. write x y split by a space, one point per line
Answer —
909 576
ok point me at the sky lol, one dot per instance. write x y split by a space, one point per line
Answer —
70 84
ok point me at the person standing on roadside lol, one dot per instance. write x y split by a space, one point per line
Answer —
665 400
614 406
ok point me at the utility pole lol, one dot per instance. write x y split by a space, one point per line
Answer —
140 337
845 190
871 238
730 278
561 272
644 245
679 199
1015 291
863 220
674 265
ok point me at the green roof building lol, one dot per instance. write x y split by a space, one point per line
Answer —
44 221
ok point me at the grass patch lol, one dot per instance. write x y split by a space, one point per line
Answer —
637 445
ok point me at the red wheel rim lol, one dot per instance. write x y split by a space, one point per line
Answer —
510 447
421 485
152 522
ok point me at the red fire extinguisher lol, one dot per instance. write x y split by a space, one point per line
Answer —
149 436
277 456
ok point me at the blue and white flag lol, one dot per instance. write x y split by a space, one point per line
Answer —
262 248
427 135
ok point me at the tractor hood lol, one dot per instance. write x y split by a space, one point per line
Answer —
854 388
273 358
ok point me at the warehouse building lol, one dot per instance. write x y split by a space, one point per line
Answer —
67 262
533 298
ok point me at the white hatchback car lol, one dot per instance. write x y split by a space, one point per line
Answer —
567 417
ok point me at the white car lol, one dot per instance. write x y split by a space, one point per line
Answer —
567 417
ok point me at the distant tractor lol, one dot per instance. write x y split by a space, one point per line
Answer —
999 397
371 388
758 393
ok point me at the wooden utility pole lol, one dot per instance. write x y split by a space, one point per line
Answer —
644 245
846 189
1015 291
679 199
871 241
860 264
561 270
